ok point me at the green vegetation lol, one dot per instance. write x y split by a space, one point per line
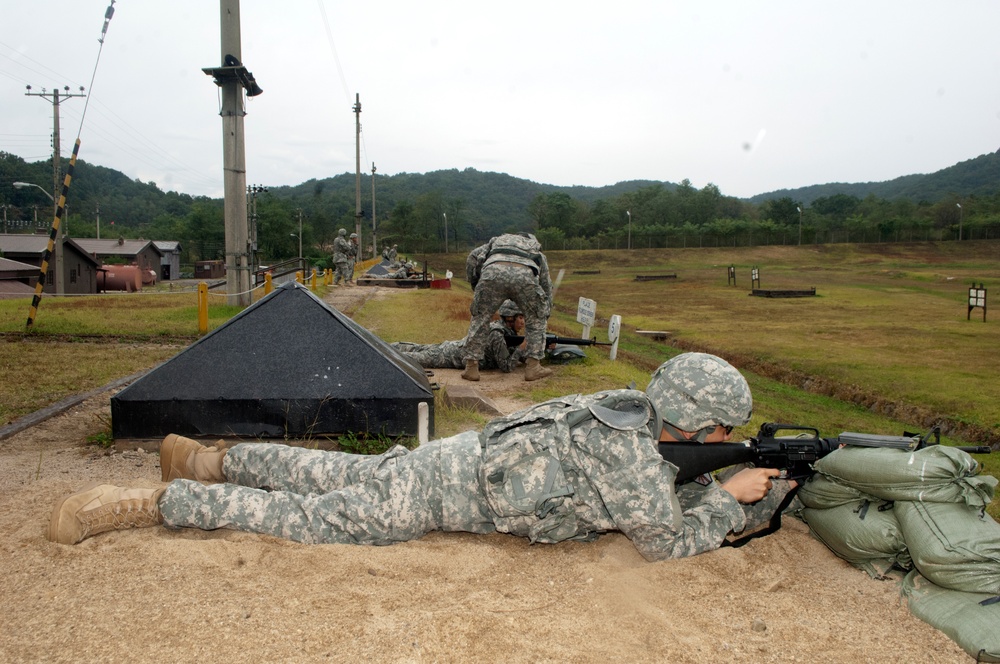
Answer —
960 202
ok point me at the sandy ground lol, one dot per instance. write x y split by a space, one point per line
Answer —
155 595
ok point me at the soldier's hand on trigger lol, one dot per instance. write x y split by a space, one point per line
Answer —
752 484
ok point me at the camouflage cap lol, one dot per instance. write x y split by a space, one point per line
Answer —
509 308
696 390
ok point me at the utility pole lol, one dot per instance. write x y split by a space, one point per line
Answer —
357 164
98 220
300 240
374 243
230 77
5 206
56 175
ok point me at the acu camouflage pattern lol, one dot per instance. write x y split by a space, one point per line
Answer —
590 471
569 468
696 390
342 258
451 354
506 276
315 497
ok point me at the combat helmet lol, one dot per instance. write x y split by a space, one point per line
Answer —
354 236
509 308
342 232
695 391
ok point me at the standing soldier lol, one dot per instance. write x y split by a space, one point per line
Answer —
352 258
341 259
510 266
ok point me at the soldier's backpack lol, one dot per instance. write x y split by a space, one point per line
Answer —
521 245
522 473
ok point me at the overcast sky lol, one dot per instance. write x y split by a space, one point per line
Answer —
751 96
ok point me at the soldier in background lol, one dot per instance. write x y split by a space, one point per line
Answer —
341 257
509 266
496 355
352 258
570 468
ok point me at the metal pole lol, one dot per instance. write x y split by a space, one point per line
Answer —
374 243
445 215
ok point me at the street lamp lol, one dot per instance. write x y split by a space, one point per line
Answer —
22 185
299 236
629 228
800 224
959 206
445 215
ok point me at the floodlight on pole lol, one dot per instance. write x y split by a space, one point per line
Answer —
629 228
960 211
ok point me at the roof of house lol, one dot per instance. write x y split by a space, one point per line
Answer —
115 247
34 245
167 246
11 289
8 265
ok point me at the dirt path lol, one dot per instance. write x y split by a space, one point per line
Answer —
177 596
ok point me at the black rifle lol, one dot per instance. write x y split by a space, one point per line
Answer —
514 340
793 456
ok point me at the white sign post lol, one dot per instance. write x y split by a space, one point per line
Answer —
614 331
586 314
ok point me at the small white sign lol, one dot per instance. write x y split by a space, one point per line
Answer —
586 312
614 330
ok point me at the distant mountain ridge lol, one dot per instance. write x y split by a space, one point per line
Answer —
486 200
974 177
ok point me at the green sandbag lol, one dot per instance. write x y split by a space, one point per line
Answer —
936 474
954 546
960 615
862 535
821 492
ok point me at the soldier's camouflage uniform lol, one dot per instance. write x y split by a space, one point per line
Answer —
570 468
352 259
341 259
508 273
450 354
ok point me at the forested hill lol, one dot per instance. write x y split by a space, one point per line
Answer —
482 198
974 177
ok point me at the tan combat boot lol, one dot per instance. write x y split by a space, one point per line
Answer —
99 508
471 370
186 459
533 370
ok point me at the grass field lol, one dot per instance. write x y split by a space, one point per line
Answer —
884 346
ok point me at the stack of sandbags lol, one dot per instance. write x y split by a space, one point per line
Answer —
923 511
